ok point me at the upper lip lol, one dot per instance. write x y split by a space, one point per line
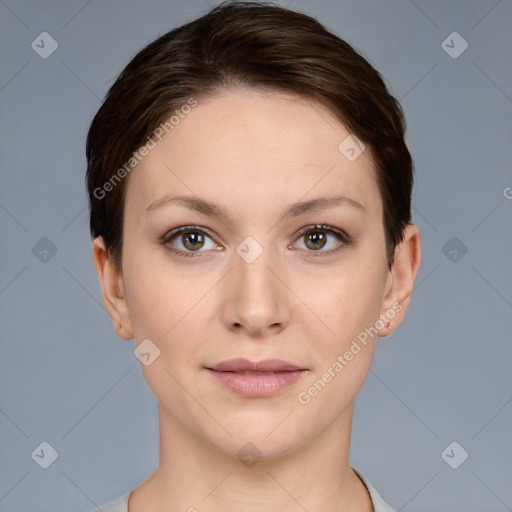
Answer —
268 365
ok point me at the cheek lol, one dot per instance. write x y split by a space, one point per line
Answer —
344 350
157 296
342 338
349 301
170 307
163 307
167 309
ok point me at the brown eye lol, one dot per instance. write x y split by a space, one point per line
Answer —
317 237
192 240
315 240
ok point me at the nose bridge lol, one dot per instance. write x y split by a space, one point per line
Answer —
255 292
253 264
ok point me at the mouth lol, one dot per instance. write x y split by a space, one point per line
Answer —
268 366
249 372
256 379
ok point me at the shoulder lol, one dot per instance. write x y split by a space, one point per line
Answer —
120 504
379 505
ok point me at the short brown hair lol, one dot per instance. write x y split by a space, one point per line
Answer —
255 45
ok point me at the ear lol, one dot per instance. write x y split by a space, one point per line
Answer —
400 282
113 291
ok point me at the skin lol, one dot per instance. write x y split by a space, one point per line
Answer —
254 153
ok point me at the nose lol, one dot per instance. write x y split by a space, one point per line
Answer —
256 298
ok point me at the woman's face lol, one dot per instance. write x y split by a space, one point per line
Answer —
247 282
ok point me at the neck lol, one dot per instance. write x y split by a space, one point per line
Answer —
195 475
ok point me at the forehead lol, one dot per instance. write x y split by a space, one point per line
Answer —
254 150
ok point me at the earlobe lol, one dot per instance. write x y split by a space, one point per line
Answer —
112 288
401 279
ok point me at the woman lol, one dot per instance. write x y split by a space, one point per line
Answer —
250 192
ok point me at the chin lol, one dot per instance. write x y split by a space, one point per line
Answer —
261 438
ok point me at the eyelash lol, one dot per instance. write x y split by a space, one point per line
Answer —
344 239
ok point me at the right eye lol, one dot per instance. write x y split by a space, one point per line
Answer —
191 238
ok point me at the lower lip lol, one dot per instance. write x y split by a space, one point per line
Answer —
255 385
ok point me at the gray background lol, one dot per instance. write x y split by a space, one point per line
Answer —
444 376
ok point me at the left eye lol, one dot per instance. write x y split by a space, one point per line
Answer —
316 238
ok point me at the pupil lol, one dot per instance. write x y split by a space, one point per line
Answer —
317 238
195 240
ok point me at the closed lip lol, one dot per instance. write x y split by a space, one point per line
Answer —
244 365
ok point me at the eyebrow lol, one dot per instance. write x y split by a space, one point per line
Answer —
206 207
